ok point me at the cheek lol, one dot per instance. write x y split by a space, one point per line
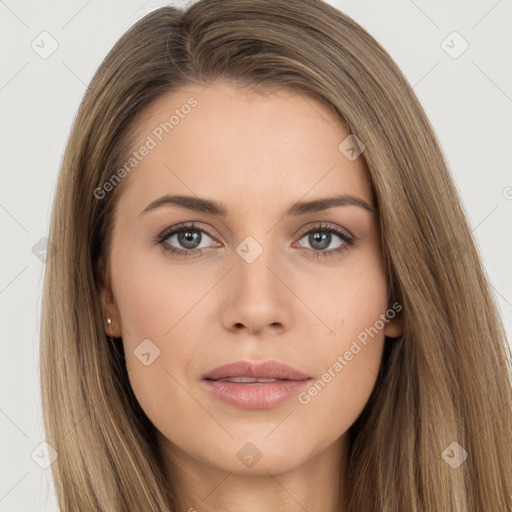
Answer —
349 367
352 298
158 310
352 306
153 297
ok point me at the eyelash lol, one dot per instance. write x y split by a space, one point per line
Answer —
322 227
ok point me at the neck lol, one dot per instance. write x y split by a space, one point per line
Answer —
315 485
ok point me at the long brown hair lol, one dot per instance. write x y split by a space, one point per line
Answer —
445 381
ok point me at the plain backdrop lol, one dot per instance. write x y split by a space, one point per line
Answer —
466 92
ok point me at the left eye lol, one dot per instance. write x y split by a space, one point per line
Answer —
320 239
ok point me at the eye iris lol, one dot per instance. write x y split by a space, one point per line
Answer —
324 237
188 238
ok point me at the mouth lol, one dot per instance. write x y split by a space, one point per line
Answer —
249 385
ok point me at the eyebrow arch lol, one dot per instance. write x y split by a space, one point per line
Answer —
215 208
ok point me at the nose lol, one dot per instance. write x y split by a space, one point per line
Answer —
257 296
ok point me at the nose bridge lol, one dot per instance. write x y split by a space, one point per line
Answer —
255 296
255 254
258 247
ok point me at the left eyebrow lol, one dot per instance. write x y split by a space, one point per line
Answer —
324 203
215 208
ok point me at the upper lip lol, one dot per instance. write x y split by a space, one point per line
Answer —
258 370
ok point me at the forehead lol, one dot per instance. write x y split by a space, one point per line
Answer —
225 141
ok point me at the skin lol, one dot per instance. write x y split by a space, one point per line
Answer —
257 154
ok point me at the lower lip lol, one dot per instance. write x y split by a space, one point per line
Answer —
256 395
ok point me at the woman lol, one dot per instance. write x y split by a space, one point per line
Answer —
265 294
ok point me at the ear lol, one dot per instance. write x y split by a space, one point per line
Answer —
108 305
395 326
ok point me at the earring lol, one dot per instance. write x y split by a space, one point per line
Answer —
108 323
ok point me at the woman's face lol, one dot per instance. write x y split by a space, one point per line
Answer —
254 283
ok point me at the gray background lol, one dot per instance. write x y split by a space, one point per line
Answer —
468 100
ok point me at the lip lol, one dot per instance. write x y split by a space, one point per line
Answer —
260 370
255 395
